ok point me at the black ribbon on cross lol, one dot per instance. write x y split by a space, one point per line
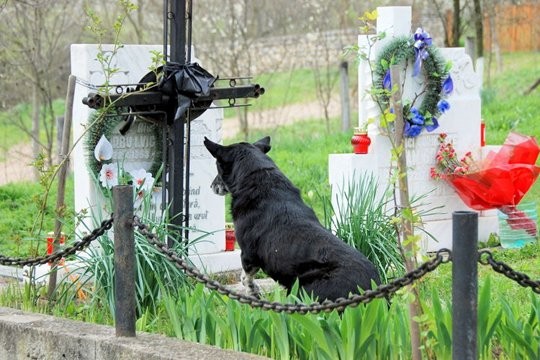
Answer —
189 82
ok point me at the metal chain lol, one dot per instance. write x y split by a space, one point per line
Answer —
485 257
77 246
382 291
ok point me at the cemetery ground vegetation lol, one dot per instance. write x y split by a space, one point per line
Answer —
509 315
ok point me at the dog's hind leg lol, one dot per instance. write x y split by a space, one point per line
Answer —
248 280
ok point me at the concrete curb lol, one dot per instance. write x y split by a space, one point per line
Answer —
41 337
11 272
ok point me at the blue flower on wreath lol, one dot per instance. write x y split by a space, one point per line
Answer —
415 117
434 124
422 40
443 106
416 120
387 81
448 86
412 130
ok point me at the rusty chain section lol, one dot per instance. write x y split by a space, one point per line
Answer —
77 246
382 291
485 257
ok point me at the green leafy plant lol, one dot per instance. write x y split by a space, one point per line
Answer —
361 218
153 270
488 320
96 27
372 331
520 337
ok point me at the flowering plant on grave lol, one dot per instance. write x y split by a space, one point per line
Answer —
106 124
500 181
156 273
448 161
437 86
112 174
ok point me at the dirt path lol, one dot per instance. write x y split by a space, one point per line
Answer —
282 116
17 166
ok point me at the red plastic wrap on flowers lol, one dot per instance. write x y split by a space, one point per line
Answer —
502 181
494 187
504 178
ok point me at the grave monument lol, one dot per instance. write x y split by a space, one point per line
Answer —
462 123
138 147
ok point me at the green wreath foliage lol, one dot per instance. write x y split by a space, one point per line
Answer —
101 123
435 69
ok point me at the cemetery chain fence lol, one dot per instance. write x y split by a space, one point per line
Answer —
485 257
57 256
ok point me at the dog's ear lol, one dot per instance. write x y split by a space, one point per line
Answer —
214 148
263 144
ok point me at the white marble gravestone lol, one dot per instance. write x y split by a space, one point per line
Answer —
462 123
137 149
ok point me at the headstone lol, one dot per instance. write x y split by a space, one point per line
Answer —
137 149
461 123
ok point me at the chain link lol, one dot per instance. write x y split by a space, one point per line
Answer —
485 257
382 291
77 246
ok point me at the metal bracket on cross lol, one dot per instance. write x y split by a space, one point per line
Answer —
182 87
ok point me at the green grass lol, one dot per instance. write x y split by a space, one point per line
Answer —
372 331
525 260
21 114
22 232
293 87
11 134
505 108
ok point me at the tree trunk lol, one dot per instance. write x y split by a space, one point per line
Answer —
456 24
407 230
243 118
479 27
35 128
495 45
63 155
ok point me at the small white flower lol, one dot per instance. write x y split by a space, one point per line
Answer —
109 175
157 195
103 150
142 180
139 197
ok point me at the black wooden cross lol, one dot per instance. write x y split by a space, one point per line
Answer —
184 91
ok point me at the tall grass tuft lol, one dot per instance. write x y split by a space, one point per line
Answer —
196 314
360 217
154 272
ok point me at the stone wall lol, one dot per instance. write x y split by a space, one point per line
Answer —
36 336
278 53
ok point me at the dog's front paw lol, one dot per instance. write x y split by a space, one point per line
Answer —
252 288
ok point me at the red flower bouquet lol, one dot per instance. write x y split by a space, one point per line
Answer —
500 181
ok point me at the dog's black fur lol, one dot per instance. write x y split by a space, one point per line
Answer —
278 233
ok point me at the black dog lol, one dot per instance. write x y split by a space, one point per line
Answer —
278 233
